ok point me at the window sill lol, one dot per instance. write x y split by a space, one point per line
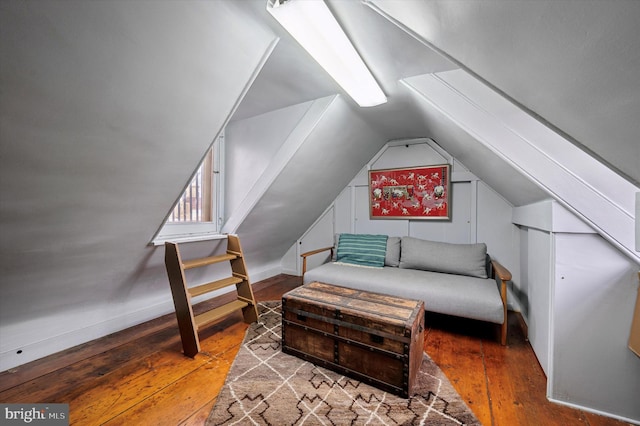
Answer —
187 239
185 233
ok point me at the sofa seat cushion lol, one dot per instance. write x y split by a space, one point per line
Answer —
458 295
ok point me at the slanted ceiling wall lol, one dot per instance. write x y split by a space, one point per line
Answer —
320 155
101 133
599 196
106 109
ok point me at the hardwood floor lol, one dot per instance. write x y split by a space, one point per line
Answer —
140 377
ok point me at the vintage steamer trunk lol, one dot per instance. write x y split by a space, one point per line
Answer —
373 337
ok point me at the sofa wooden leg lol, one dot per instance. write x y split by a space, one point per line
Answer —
503 333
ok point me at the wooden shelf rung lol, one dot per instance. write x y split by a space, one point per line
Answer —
204 261
235 253
245 299
242 277
219 312
213 286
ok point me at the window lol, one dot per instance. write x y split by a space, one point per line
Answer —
197 213
196 205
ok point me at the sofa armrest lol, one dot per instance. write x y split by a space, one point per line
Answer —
500 271
310 253
502 276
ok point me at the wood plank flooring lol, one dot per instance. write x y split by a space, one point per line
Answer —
140 377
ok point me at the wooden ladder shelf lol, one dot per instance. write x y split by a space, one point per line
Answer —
188 323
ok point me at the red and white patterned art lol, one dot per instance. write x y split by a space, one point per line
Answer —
412 193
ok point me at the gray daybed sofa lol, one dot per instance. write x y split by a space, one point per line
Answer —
454 279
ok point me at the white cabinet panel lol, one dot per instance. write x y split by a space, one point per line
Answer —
365 225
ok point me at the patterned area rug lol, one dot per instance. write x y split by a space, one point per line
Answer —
268 387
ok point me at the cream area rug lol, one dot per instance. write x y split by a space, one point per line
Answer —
268 387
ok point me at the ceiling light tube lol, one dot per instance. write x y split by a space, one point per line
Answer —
311 23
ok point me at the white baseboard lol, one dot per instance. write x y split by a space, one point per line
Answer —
15 357
267 271
513 304
289 272
594 411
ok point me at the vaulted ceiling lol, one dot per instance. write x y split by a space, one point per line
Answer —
568 67
574 65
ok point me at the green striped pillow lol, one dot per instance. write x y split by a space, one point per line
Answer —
362 249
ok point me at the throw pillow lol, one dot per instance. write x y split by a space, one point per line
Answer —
461 259
392 257
362 249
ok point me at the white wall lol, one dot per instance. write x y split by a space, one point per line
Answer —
577 293
593 300
107 108
252 146
317 158
534 293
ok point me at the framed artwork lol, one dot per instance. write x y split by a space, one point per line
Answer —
412 193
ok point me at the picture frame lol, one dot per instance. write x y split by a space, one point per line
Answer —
411 193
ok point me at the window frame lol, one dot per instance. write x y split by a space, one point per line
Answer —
200 231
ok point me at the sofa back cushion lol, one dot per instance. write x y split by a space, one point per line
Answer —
461 259
393 252
362 249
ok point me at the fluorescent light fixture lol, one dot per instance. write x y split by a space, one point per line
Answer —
311 23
